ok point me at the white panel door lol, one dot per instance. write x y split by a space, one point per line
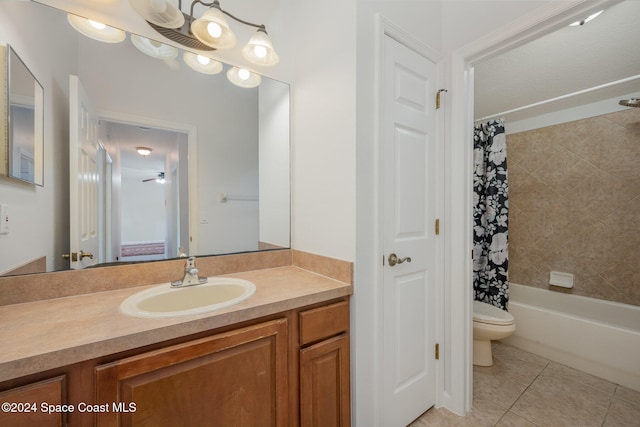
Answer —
84 178
408 169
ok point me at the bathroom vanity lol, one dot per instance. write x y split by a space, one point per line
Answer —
279 358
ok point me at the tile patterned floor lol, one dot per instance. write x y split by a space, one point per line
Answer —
525 390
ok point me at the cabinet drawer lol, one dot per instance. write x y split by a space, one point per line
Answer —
324 322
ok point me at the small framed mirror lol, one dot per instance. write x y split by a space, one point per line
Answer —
24 136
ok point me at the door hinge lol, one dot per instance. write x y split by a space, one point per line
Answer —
437 351
437 226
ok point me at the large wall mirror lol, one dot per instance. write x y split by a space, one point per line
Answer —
215 181
22 140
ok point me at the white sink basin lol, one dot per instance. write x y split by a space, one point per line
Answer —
165 301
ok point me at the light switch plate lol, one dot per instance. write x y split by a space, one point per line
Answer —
204 217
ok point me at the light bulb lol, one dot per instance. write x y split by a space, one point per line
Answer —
214 29
159 6
97 25
244 74
260 51
203 59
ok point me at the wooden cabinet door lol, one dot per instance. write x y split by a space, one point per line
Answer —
236 378
38 404
324 384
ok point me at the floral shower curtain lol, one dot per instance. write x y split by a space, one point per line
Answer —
490 215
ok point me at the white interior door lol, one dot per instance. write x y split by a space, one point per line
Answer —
408 169
84 179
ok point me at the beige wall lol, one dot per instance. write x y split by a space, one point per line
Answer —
574 196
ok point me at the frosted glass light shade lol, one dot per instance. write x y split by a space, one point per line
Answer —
153 48
144 151
159 12
213 30
96 30
260 51
202 64
243 78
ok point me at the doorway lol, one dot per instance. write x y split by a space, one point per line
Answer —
146 196
460 151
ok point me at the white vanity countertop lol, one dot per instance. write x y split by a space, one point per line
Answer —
42 335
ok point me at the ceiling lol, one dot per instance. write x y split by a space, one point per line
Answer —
122 139
568 60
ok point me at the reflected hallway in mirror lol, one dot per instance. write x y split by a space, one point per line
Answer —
146 214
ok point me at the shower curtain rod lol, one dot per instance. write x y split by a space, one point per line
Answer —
559 98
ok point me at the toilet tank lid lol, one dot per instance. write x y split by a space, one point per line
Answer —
488 313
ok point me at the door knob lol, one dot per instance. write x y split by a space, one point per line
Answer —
393 260
74 256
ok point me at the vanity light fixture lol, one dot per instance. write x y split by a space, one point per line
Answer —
587 19
243 77
144 151
209 32
202 64
154 48
96 30
159 12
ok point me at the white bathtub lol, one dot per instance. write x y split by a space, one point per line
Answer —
592 335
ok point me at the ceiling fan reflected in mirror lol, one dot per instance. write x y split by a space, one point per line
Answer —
159 178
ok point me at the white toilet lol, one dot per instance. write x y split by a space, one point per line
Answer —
489 323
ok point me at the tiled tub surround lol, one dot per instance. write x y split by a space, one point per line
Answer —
574 191
70 326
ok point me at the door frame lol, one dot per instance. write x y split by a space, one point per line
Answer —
387 28
192 148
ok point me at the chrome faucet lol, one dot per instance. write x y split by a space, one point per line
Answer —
190 275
